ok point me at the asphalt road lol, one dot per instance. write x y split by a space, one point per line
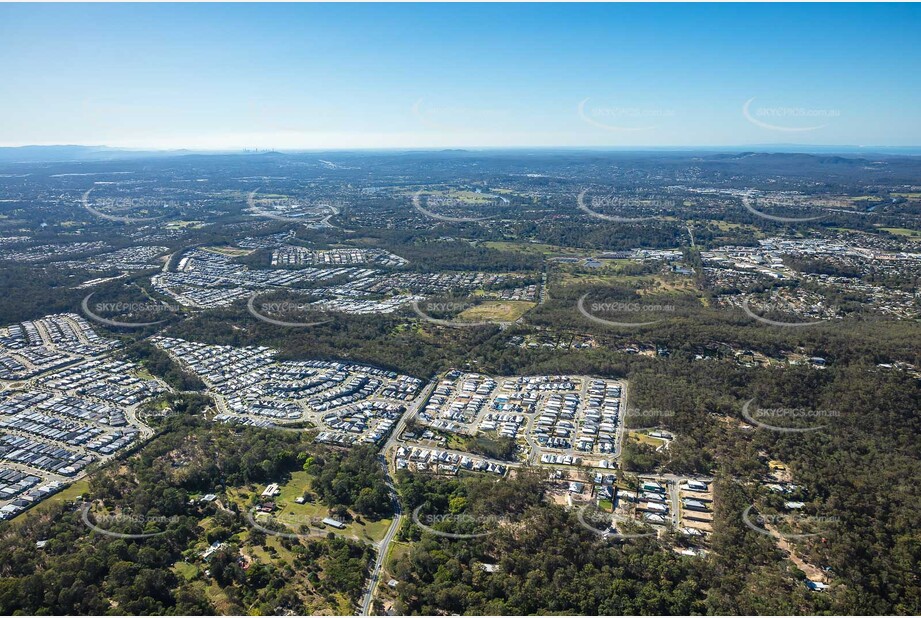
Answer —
383 546
411 412
676 503
374 581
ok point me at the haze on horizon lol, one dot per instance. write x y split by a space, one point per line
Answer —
459 76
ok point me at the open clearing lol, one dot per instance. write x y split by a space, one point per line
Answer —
646 439
497 311
231 251
294 514
901 231
533 248
642 284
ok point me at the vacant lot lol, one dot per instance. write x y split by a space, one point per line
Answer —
535 248
497 311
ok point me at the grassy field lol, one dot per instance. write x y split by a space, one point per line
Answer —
644 284
675 285
901 231
644 439
294 514
176 225
726 226
396 551
497 311
343 607
231 251
65 495
185 570
533 248
274 543
467 197
601 277
144 374
219 599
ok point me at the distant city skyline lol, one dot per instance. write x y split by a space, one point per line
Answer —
315 77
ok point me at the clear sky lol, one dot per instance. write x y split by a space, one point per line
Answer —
414 75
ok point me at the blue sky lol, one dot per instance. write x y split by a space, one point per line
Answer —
289 76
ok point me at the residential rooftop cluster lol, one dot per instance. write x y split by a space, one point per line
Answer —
351 401
107 379
35 347
526 293
738 267
367 306
657 501
58 417
653 502
305 210
293 255
20 490
266 242
368 422
51 252
420 459
696 508
210 279
558 416
141 257
586 418
443 283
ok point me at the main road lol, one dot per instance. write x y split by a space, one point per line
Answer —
394 440
384 546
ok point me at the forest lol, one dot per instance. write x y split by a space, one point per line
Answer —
157 492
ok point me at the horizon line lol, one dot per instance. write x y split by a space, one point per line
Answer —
637 148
